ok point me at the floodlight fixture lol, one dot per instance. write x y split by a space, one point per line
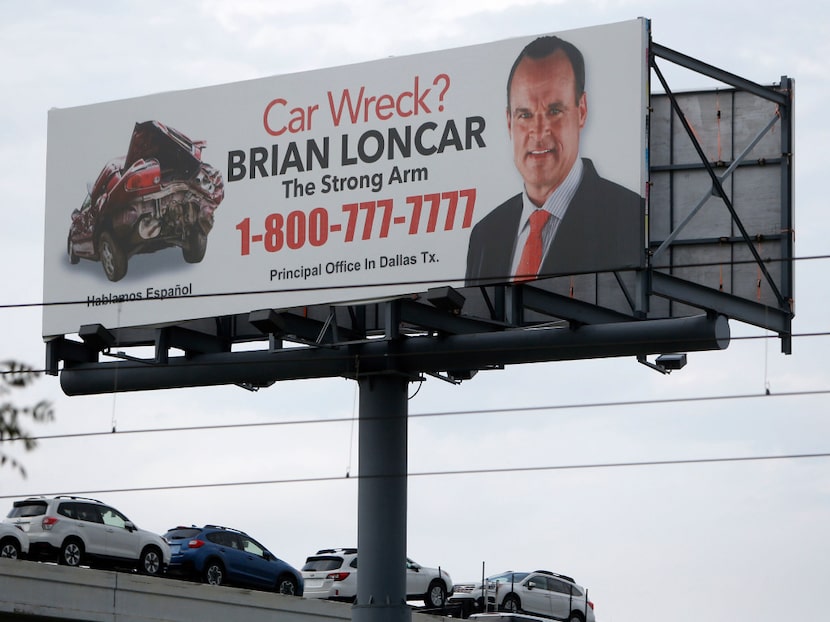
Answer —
671 362
267 321
97 336
665 363
459 375
446 298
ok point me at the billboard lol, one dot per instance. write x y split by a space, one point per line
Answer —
349 184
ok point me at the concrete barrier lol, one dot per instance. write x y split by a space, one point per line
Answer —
39 590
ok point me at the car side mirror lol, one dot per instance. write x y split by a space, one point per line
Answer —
531 585
129 526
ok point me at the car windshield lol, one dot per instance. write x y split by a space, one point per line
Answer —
181 533
508 577
323 563
23 509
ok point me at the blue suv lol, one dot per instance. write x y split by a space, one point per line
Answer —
219 555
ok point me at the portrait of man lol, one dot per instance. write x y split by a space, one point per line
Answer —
567 219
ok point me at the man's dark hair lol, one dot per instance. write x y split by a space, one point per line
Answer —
544 47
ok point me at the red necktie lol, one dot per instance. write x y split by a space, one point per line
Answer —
532 252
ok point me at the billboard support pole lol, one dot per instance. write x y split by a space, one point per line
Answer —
381 505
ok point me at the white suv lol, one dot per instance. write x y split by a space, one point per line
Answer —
332 573
540 592
76 530
13 542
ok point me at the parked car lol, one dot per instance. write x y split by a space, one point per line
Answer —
14 542
540 592
160 194
220 555
76 530
332 574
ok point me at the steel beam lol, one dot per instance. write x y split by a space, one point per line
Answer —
407 355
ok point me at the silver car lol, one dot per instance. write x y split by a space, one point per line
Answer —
76 530
540 592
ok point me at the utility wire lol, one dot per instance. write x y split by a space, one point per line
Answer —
413 283
451 413
490 471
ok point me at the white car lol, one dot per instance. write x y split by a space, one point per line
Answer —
332 573
76 530
14 542
541 592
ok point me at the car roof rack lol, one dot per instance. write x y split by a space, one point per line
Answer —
345 551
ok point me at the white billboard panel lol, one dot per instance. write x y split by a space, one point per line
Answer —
339 185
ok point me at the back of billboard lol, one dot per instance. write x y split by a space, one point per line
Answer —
339 185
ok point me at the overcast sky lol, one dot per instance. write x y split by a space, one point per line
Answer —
737 540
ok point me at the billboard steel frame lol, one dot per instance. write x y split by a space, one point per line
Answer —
778 317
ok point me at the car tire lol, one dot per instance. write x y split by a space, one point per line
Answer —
150 562
512 604
194 250
576 616
113 259
73 258
436 595
10 548
286 584
214 573
71 553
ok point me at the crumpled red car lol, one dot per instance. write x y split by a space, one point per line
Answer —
160 194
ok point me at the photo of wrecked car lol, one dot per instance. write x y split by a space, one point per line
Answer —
161 194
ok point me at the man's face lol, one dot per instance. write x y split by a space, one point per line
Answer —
544 120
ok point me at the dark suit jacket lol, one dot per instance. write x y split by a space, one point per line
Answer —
602 229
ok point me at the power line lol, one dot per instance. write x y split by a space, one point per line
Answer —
413 283
452 413
490 471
